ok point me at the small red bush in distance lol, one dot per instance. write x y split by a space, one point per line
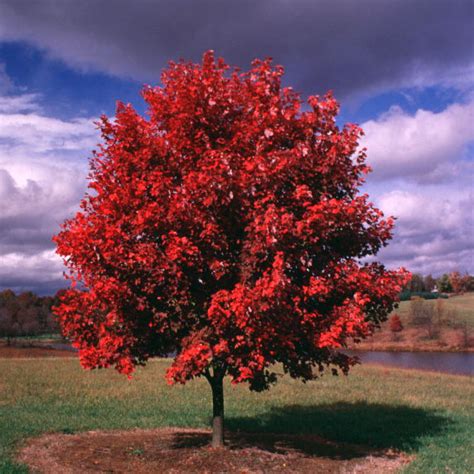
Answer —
227 228
395 323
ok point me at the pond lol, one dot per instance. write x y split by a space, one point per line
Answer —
461 363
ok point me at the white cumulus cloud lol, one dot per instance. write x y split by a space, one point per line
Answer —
434 230
424 176
43 166
419 146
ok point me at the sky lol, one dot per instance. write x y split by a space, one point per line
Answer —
402 69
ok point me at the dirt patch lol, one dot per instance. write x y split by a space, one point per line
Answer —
187 451
24 352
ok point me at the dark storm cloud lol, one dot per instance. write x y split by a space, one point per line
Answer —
350 46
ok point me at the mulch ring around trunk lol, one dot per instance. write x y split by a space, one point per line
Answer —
177 450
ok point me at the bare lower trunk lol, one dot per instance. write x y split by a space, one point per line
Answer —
217 411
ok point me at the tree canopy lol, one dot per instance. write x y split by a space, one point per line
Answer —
226 227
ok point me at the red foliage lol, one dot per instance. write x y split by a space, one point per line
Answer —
395 323
226 227
459 283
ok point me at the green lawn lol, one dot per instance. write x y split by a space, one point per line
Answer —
426 414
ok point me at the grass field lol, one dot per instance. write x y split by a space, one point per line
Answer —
428 415
461 306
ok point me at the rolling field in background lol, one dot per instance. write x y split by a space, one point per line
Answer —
445 325
461 307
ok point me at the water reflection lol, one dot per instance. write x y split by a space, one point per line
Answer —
449 362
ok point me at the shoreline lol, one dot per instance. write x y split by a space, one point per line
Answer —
408 348
379 365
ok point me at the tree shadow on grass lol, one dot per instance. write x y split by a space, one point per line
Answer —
280 443
337 430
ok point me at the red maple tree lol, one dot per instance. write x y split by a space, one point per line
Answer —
227 228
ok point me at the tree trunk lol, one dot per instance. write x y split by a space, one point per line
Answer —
217 411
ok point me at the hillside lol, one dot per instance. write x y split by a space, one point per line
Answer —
432 325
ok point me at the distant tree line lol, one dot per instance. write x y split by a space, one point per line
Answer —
453 282
26 314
